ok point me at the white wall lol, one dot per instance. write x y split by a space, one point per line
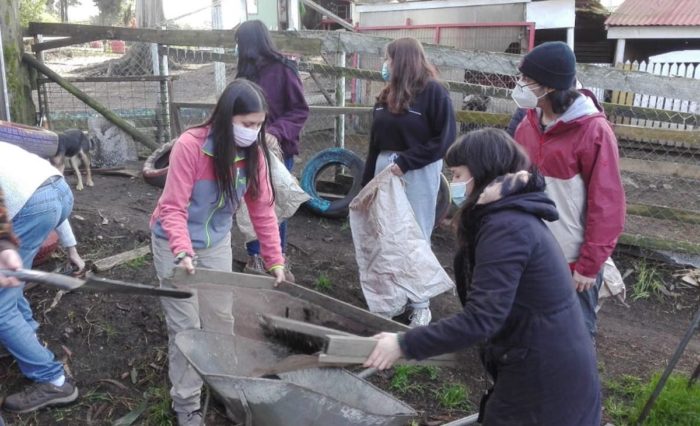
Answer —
552 14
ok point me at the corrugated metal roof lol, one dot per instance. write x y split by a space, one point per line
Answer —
656 12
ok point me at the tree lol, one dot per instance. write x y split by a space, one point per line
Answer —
110 11
19 87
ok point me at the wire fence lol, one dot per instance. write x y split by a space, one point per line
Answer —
660 165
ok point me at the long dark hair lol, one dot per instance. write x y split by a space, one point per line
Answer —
240 97
487 153
255 47
410 73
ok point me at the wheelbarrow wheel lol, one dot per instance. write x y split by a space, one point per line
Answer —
323 205
155 168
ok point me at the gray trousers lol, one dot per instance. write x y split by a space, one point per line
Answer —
207 311
422 186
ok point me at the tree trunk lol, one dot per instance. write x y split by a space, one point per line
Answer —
19 86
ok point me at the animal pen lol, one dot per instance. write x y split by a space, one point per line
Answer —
165 82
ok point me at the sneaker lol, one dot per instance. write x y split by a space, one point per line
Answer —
193 418
41 395
255 265
420 316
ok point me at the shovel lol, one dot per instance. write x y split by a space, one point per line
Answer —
67 283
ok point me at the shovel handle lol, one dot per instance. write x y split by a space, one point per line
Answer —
62 282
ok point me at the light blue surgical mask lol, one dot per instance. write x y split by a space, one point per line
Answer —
386 72
459 192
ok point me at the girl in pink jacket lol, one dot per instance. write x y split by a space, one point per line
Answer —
213 166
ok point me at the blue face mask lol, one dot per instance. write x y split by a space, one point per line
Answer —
459 192
386 73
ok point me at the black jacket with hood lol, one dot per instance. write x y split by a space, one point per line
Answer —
521 304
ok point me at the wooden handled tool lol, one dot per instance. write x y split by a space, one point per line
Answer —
67 283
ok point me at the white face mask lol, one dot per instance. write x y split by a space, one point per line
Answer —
458 192
524 97
244 136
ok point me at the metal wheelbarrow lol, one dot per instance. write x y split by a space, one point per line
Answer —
308 397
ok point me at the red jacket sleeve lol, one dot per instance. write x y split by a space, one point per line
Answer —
605 204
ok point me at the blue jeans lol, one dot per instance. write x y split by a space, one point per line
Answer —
253 247
49 206
589 301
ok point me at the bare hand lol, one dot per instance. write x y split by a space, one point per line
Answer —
9 259
395 169
582 283
385 353
188 264
279 275
75 258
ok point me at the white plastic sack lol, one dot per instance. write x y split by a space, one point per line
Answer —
395 261
613 285
288 197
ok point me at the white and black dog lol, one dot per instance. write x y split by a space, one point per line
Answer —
74 143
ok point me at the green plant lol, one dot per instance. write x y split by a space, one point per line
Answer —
648 282
432 371
137 263
323 283
453 396
677 404
159 412
404 377
34 10
402 381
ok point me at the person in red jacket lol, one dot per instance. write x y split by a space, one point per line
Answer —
570 141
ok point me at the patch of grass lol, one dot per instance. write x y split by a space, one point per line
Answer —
648 281
346 225
677 405
108 329
405 377
323 283
159 412
454 396
137 263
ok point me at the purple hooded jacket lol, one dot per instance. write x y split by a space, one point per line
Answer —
288 110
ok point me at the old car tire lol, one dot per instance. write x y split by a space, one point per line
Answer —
155 168
41 142
316 165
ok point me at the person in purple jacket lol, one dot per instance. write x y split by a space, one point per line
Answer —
515 287
259 61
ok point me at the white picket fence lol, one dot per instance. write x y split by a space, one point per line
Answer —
659 102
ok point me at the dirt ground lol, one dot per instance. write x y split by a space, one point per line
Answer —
115 345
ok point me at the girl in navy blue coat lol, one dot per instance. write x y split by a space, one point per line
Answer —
515 286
